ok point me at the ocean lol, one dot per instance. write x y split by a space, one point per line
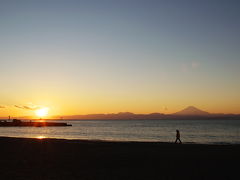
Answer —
192 131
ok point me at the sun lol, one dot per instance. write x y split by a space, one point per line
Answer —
42 112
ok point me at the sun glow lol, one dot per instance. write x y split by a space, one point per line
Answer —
42 112
40 137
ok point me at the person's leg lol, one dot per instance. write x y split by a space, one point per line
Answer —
178 140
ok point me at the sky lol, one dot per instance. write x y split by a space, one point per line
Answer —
109 56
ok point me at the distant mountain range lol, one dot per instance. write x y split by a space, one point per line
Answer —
190 112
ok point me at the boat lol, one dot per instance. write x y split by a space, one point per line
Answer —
20 123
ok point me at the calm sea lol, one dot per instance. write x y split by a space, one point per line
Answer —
192 131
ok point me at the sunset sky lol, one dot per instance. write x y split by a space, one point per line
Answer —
108 56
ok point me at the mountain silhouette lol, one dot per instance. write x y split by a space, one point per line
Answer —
191 111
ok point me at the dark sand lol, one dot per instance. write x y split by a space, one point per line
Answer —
52 159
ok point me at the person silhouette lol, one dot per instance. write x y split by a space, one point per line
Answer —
178 137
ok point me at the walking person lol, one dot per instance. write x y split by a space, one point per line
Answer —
178 137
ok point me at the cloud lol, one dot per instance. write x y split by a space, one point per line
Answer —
2 106
186 67
195 65
28 107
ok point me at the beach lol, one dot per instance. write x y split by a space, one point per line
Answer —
50 159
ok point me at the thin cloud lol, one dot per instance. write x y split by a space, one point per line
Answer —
195 65
28 107
187 67
2 106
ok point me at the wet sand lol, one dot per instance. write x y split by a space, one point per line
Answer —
54 159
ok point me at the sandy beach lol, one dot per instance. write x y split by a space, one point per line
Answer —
50 159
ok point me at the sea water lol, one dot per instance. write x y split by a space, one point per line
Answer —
192 131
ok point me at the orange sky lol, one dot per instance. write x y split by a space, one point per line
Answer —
66 106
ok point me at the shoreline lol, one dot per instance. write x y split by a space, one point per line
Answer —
122 141
56 159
